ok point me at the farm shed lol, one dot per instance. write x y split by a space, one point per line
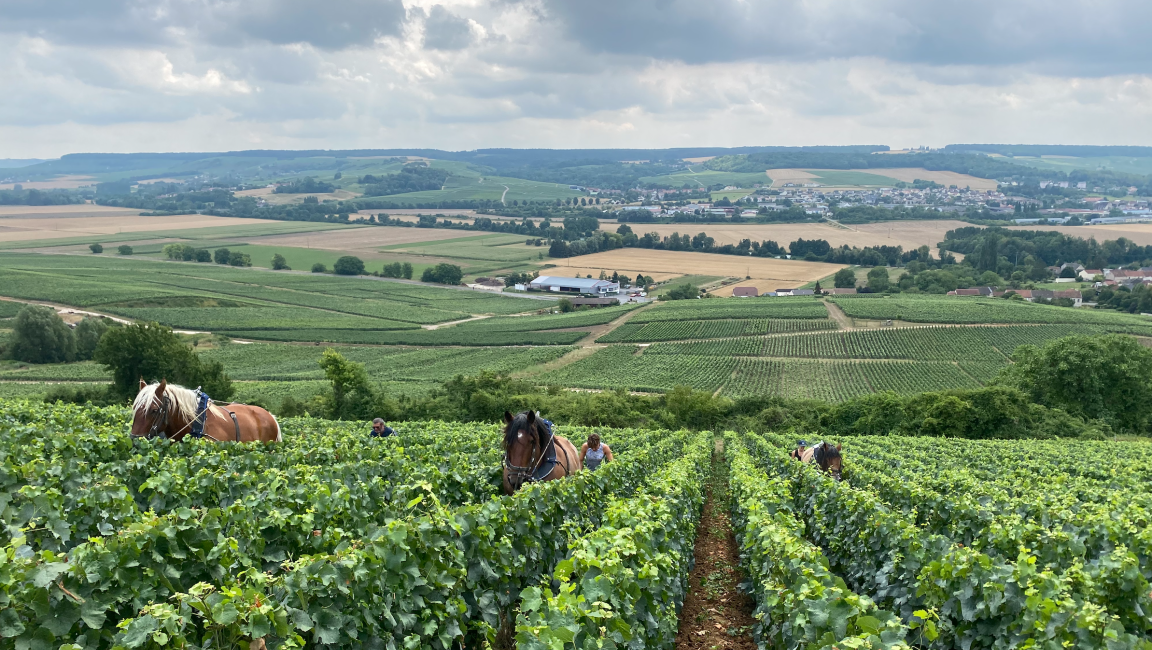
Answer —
575 285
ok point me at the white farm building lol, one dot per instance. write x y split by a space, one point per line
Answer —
586 286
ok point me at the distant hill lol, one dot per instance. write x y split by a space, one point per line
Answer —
1077 150
8 163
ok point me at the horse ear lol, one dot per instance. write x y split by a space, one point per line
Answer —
507 417
160 388
837 446
531 416
142 384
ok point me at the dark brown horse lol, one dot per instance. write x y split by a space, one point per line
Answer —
826 457
170 411
532 453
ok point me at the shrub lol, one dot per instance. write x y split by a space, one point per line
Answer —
124 249
96 248
221 255
236 258
565 305
844 279
682 292
203 255
88 334
319 268
40 336
443 274
349 265
279 263
154 352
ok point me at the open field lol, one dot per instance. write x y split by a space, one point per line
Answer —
945 178
909 234
18 229
67 182
56 211
639 260
200 236
1140 233
879 177
701 178
367 238
852 178
1125 164
272 198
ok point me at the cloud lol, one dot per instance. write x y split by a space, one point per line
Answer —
444 30
159 74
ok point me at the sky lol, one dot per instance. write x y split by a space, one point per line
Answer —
219 75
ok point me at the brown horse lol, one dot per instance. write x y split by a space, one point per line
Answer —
170 411
532 453
826 457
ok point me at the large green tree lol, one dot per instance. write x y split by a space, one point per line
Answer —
349 265
39 336
878 279
152 352
88 334
1103 377
844 279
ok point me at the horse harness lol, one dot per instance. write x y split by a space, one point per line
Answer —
196 426
544 465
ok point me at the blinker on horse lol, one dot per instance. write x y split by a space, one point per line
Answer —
174 412
824 455
532 453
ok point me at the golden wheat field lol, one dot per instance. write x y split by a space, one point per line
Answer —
908 234
666 264
61 227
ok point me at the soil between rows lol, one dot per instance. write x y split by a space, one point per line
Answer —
716 614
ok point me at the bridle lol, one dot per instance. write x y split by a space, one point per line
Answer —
160 423
527 474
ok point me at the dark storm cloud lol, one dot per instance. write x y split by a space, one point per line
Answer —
1075 37
326 24
444 30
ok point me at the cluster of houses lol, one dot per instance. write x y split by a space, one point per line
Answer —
753 292
1031 295
1105 277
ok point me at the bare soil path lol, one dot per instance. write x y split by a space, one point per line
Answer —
716 615
838 315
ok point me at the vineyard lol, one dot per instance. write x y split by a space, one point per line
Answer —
744 308
632 368
983 310
334 539
331 538
946 543
679 330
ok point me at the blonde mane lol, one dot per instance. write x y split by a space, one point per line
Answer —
183 399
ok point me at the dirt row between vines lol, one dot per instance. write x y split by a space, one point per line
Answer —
716 614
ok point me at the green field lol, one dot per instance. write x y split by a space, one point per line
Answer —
1124 164
468 184
844 178
696 176
210 297
195 236
983 310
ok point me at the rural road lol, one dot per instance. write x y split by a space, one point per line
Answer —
504 195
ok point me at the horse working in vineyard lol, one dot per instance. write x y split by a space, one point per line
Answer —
175 412
532 453
823 454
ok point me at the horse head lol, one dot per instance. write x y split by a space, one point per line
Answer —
524 442
151 410
829 459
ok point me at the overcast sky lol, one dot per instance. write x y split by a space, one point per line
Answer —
211 75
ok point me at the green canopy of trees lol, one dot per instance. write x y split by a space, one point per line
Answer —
349 265
153 352
443 273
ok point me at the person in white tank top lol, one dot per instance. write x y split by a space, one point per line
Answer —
594 452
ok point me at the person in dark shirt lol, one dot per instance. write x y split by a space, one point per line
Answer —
381 430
